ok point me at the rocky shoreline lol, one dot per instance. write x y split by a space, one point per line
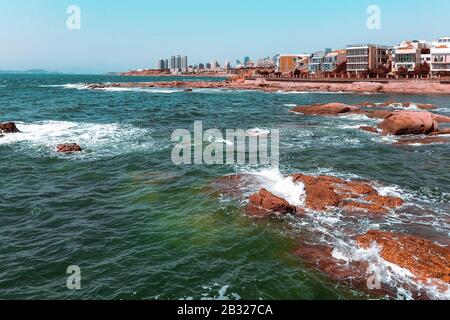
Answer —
410 86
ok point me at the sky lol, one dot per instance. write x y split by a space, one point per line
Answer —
119 35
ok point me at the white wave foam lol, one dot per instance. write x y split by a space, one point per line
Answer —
97 140
390 274
257 132
286 188
290 105
77 86
145 90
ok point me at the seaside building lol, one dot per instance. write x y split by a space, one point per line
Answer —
291 62
316 61
408 55
362 57
333 59
440 56
227 65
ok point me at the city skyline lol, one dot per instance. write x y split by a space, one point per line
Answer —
220 31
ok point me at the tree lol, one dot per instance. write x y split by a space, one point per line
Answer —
423 70
402 72
341 68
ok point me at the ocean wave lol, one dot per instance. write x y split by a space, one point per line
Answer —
396 277
97 140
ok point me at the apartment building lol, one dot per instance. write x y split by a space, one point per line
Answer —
440 56
316 61
333 59
361 57
291 62
408 55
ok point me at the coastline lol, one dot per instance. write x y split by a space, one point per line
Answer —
357 86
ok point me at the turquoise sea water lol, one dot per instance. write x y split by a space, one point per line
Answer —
140 227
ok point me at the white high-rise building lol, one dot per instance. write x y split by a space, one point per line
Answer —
184 63
173 63
440 56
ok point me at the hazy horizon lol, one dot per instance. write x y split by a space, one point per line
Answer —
118 37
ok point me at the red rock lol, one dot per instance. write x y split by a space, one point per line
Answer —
369 129
68 148
366 207
426 140
377 114
388 202
423 258
425 106
366 104
269 202
439 118
441 131
407 122
325 109
323 193
9 127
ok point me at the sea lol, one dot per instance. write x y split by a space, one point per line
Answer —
134 225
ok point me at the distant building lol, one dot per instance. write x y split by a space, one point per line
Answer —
316 61
246 61
173 63
362 57
333 59
208 66
440 56
227 65
291 62
201 66
408 55
160 64
265 63
184 63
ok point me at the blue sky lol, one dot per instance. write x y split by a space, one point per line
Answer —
120 35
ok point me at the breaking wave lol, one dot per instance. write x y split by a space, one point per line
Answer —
96 140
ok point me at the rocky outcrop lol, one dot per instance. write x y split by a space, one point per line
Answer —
325 109
8 127
68 148
440 131
264 203
423 141
325 193
402 123
423 258
369 129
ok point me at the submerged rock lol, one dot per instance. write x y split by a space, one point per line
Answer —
68 148
325 109
8 127
369 129
423 258
423 141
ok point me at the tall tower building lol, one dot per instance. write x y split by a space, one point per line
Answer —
184 62
173 62
178 63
